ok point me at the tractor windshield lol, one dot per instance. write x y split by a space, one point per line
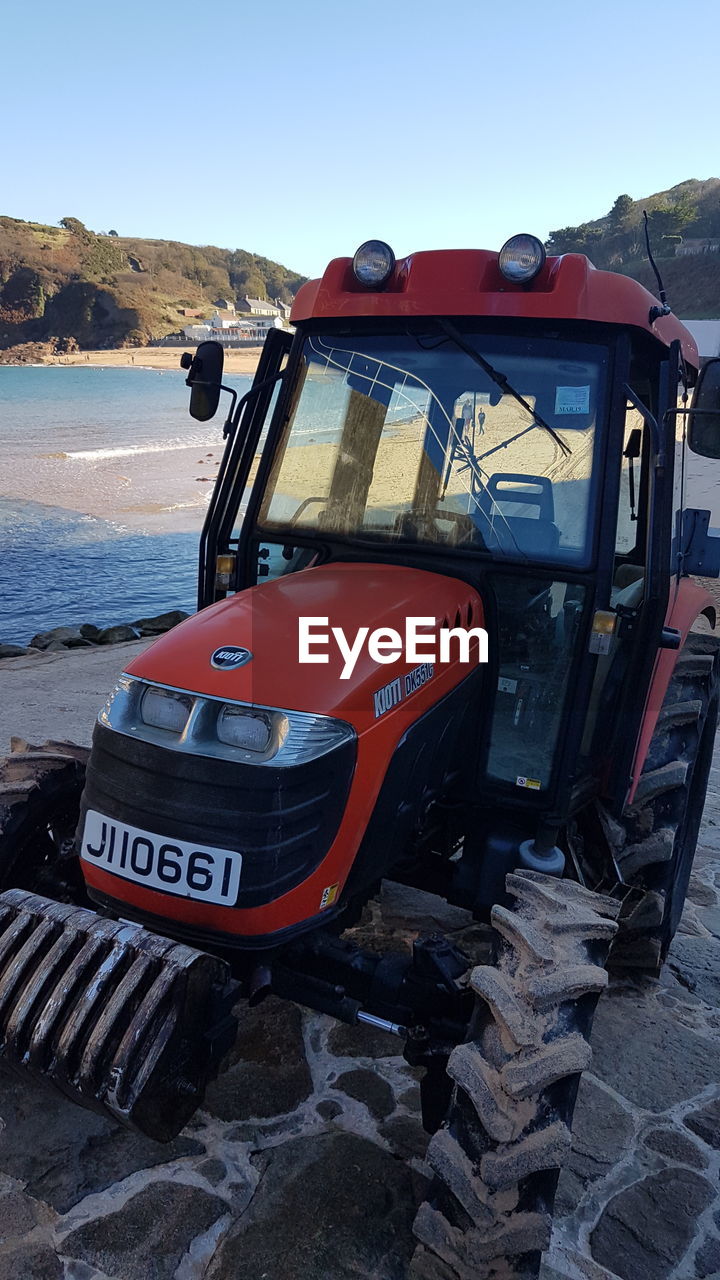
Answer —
408 438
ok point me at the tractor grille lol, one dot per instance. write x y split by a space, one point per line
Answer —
282 821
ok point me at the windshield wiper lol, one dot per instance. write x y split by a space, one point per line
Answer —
500 380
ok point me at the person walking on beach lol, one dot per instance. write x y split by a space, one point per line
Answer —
467 417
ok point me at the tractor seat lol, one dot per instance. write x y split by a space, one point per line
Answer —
628 586
538 538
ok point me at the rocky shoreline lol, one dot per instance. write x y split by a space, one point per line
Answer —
88 636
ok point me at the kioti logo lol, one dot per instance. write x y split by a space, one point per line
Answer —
230 657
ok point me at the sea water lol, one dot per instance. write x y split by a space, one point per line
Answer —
58 426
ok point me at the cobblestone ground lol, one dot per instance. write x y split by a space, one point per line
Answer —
307 1162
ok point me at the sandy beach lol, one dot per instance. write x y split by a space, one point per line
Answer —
242 360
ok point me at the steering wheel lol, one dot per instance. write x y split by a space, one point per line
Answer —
414 524
466 530
305 503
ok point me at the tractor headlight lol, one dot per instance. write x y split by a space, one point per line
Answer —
373 264
165 709
281 738
521 258
197 725
239 727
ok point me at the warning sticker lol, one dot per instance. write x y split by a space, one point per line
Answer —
507 686
328 896
532 783
572 400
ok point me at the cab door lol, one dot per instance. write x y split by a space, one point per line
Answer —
251 416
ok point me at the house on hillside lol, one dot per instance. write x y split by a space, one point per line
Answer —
247 321
264 307
258 307
264 314
690 248
229 330
224 319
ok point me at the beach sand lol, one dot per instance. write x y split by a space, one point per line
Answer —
241 360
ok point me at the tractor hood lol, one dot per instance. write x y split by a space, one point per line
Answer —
246 648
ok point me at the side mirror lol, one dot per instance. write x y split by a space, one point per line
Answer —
704 428
205 370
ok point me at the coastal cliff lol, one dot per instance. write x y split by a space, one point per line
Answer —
68 287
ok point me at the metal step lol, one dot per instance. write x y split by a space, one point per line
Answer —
121 1020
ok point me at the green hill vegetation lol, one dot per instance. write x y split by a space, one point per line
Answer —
70 286
684 235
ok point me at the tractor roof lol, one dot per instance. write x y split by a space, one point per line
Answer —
468 282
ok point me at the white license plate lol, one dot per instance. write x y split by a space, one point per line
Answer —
175 866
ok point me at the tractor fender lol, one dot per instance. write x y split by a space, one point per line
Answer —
685 607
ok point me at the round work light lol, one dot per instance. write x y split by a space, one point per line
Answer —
521 258
373 264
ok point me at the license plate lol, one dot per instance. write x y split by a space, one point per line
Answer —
174 866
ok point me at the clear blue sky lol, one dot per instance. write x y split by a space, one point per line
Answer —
299 128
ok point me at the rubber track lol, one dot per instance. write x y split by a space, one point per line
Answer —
496 1159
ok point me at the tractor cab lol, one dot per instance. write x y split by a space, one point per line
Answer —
501 419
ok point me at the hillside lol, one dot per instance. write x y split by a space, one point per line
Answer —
685 238
69 284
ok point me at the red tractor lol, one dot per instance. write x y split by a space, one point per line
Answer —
457 443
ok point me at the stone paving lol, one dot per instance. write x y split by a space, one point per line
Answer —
307 1161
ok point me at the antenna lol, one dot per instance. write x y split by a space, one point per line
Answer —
664 310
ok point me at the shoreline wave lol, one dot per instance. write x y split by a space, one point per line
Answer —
131 450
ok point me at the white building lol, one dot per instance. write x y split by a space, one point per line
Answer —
229 333
259 307
224 319
692 248
248 322
707 335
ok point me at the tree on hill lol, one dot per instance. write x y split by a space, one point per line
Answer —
112 233
621 211
582 239
669 220
76 228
